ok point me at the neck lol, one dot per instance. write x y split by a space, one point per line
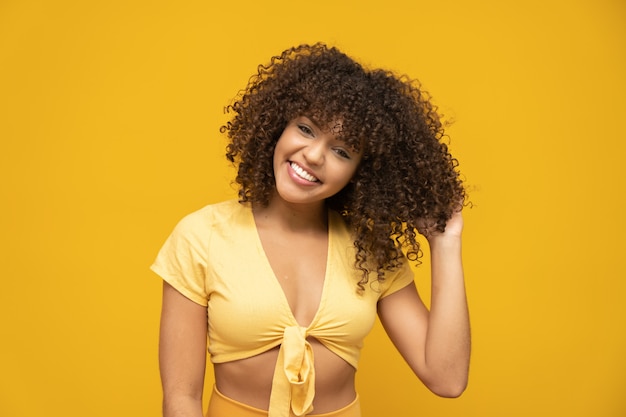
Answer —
294 217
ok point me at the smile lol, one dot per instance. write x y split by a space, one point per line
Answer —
302 173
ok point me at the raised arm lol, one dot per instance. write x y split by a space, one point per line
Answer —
435 343
182 354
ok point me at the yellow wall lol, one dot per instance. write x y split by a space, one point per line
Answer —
109 117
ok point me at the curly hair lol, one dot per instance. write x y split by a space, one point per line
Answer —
407 176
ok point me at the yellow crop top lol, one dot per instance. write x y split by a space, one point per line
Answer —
215 258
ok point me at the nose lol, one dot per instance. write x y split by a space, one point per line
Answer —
314 152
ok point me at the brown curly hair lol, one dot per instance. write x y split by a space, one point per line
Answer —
406 176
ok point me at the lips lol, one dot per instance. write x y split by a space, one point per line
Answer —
302 173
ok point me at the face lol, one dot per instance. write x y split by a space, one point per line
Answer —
311 163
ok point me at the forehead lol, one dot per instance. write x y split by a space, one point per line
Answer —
336 127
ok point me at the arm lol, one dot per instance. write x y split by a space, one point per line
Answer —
182 354
435 344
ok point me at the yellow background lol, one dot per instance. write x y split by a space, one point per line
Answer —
109 118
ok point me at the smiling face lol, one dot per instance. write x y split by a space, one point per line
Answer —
311 163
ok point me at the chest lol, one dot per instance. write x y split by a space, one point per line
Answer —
258 287
299 265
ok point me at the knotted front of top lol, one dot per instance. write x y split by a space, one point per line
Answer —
293 386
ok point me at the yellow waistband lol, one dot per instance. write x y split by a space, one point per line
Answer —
222 406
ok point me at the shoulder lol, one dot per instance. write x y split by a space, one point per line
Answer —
397 278
210 216
197 228
193 234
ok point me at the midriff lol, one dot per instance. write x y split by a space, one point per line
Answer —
249 380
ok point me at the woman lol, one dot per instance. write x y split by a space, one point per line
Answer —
339 169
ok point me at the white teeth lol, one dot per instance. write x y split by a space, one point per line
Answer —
302 173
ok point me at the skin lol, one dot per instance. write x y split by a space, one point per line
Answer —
293 231
326 160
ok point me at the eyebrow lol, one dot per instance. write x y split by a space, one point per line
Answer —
312 121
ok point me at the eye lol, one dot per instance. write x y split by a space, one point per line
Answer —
342 153
305 129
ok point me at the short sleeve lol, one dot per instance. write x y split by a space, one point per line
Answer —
182 260
397 279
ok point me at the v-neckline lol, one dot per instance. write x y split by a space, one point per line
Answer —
274 279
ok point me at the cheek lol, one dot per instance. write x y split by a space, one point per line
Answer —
277 153
355 169
347 174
